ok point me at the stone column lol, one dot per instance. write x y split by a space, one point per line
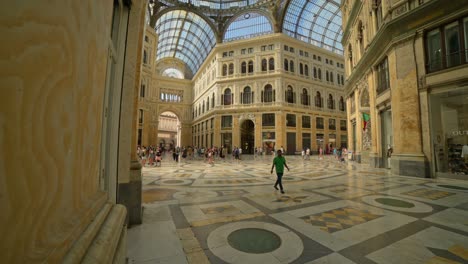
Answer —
375 159
357 151
408 158
129 173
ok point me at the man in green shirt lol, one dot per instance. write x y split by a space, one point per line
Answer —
280 162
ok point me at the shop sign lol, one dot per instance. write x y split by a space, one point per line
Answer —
459 132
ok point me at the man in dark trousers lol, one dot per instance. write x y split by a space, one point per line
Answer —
280 162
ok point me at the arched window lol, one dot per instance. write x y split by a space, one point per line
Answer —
231 68
203 108
247 95
341 104
331 77
331 102
224 69
326 76
271 64
227 97
208 104
145 57
318 100
264 65
290 95
306 70
342 80
320 74
212 100
301 68
315 73
268 94
304 97
286 65
244 67
251 66
291 66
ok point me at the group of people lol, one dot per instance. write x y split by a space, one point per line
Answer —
151 155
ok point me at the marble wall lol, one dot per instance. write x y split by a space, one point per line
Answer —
53 61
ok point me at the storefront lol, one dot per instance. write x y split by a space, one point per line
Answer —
449 125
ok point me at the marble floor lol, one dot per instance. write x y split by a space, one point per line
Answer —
331 212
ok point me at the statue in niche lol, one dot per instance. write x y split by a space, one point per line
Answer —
365 98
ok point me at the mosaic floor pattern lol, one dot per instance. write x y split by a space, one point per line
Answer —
330 213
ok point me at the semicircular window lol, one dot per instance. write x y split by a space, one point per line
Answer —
185 36
316 22
248 25
173 73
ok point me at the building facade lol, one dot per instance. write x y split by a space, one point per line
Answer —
406 84
271 91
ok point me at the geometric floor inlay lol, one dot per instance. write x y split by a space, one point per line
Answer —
340 218
394 202
428 194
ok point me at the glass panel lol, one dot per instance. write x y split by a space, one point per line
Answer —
433 50
452 44
465 22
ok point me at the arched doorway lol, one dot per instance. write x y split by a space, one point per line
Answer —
169 130
247 133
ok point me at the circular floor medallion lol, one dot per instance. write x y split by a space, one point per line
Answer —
453 187
174 182
395 202
254 240
273 242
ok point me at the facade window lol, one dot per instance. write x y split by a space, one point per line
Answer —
290 95
306 70
247 96
306 54
291 66
350 56
306 122
224 69
315 73
331 77
268 94
251 66
268 120
145 57
231 68
208 104
244 67
319 58
342 104
264 64
290 120
318 100
383 77
270 47
227 97
331 102
319 123
331 124
326 76
304 97
378 12
271 64
326 61
263 48
433 51
320 74
314 57
291 49
360 37
140 116
243 51
452 44
343 125
286 65
146 39
213 101
301 69
231 53
250 50
286 48
226 121
142 90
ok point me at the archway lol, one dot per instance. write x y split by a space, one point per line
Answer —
247 134
169 130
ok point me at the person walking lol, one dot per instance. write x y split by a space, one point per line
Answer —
279 162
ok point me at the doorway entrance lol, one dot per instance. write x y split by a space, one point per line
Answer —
247 132
387 137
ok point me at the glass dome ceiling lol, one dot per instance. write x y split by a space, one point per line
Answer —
189 29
